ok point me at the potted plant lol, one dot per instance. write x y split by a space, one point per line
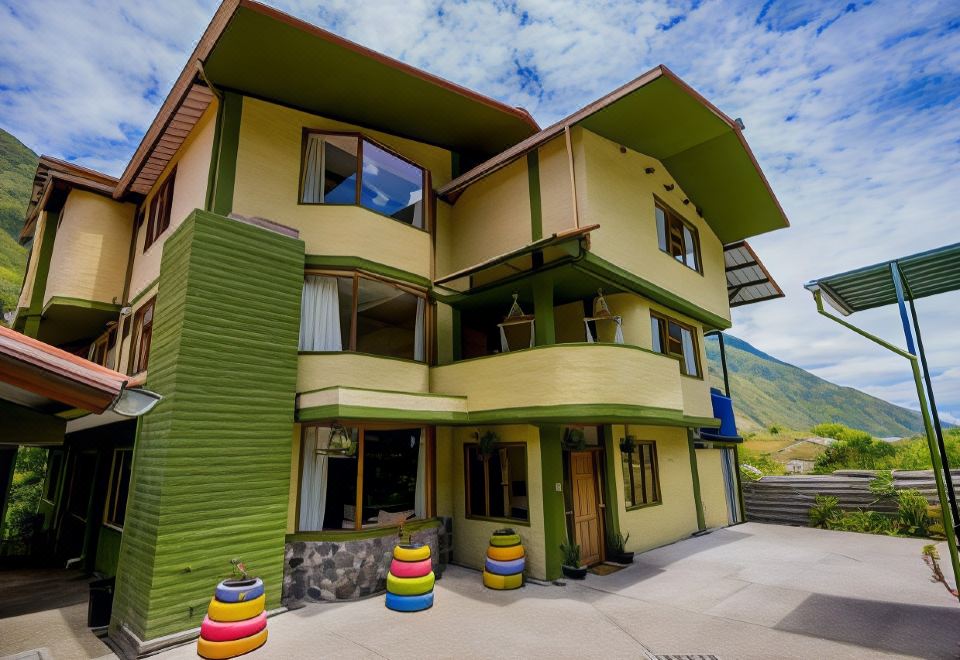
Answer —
571 562
488 442
628 444
241 587
574 439
616 548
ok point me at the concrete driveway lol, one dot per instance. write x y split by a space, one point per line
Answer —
751 591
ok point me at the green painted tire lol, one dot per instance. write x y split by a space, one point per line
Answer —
502 582
410 586
505 541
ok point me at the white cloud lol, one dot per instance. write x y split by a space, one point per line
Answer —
854 115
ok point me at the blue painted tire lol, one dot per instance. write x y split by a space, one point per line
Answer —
409 603
228 593
511 567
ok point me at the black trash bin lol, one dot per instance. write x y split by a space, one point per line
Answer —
101 602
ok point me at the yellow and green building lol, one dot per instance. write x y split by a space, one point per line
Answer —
372 298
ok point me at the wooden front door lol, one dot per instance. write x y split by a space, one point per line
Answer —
587 517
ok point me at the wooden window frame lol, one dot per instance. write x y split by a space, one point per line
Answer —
674 221
356 275
361 138
665 343
158 215
427 434
51 487
100 348
110 505
630 499
140 356
468 513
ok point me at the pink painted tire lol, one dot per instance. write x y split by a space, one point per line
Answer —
411 569
228 631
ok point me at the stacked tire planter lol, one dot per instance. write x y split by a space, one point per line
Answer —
506 560
411 579
236 622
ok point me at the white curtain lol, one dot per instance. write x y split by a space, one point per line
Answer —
313 489
420 493
505 345
689 358
617 337
320 314
419 339
691 248
313 171
655 334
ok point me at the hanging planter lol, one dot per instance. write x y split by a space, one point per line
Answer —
628 444
602 313
574 439
340 443
516 317
488 443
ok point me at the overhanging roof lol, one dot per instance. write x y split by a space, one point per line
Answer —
53 171
260 51
36 375
923 274
661 116
748 280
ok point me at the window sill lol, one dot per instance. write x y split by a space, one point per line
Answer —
500 521
336 535
637 507
113 527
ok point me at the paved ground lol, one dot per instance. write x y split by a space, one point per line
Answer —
752 591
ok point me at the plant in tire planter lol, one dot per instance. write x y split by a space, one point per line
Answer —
571 561
616 548
488 442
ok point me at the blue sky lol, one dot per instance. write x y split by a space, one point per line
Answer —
853 110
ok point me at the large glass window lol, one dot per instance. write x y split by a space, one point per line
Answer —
81 483
670 337
676 237
116 511
54 470
496 481
349 169
362 314
360 477
641 478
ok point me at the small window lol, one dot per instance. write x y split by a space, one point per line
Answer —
641 476
119 487
159 212
363 314
142 336
54 470
496 483
103 350
676 237
675 339
349 169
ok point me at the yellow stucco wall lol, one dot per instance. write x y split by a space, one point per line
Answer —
607 374
27 291
359 370
268 182
614 192
490 218
90 253
472 536
556 188
294 480
192 161
676 517
712 490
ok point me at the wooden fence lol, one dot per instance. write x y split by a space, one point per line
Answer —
787 500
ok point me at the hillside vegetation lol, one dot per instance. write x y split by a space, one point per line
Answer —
768 392
17 166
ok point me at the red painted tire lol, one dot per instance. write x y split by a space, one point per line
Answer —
223 631
411 569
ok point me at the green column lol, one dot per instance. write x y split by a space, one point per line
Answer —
543 310
695 476
533 181
554 506
211 465
223 165
611 454
31 326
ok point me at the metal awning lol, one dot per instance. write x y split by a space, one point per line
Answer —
748 280
923 274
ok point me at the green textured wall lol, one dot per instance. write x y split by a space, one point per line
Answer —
212 461
108 551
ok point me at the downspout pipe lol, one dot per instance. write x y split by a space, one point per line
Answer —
948 527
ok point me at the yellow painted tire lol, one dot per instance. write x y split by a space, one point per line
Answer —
505 541
502 582
410 586
235 611
222 650
411 553
505 554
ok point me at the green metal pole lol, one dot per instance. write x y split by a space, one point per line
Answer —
928 426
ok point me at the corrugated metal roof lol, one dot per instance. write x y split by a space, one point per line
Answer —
923 274
748 280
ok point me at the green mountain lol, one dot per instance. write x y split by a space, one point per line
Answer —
17 166
767 391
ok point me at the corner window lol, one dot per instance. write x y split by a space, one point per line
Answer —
496 482
103 350
677 340
641 477
159 212
116 511
142 336
350 169
676 237
357 477
359 313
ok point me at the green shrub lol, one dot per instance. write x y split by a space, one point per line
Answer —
866 522
762 462
825 510
913 512
882 485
